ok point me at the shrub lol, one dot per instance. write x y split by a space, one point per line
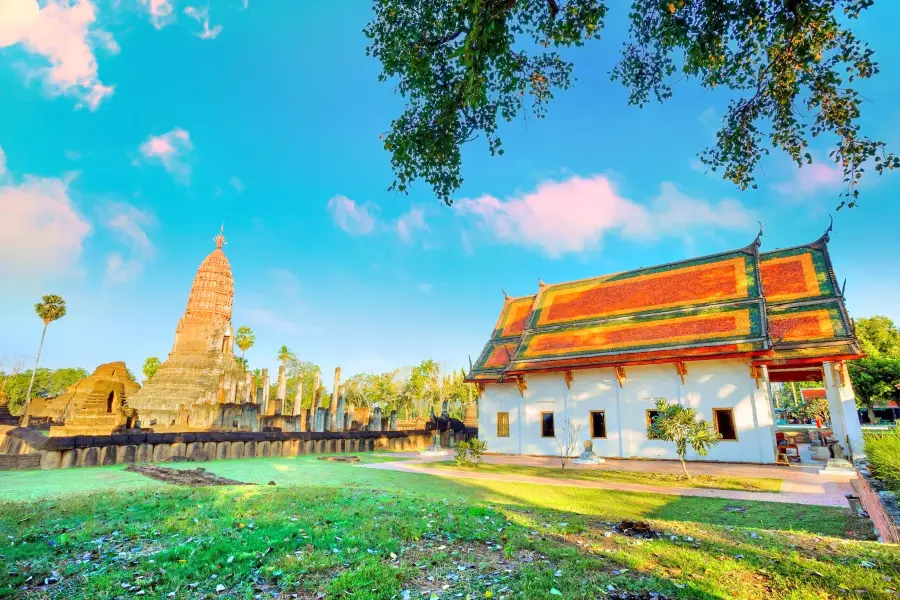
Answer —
883 452
469 454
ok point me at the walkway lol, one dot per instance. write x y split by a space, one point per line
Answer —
800 484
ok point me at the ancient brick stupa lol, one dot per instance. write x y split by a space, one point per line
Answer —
201 375
97 404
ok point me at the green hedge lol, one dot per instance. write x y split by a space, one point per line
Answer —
883 452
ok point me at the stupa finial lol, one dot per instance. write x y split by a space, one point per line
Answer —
220 239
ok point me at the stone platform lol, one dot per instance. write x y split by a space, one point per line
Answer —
87 451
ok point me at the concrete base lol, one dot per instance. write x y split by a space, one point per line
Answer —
820 453
589 460
838 466
441 452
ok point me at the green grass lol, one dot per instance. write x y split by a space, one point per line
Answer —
883 452
751 484
353 532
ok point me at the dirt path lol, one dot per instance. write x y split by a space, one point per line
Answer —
820 498
189 477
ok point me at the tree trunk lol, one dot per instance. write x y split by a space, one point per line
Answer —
34 371
684 468
872 418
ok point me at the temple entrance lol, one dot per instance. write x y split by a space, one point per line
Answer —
109 402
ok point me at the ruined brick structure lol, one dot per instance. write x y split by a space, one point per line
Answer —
201 386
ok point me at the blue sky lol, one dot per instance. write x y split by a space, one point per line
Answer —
131 129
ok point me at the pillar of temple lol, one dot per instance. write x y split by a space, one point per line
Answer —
392 426
348 421
335 392
248 388
375 423
338 420
280 391
842 409
304 420
298 400
320 419
264 403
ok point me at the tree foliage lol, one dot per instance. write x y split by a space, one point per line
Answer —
878 337
151 366
681 425
463 67
244 338
47 384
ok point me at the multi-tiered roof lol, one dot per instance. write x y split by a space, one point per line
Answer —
781 308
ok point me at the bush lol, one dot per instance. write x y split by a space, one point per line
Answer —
883 452
469 454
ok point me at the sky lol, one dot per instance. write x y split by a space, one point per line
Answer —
130 130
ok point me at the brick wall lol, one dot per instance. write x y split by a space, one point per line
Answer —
881 505
19 462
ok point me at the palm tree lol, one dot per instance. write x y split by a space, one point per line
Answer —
50 308
242 362
244 338
284 355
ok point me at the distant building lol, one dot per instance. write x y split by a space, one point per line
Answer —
710 333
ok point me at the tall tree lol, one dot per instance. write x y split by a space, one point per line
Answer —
244 338
151 366
284 356
875 381
50 308
464 66
878 337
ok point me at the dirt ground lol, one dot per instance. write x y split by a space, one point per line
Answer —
189 477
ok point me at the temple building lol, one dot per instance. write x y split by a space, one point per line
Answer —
593 356
201 386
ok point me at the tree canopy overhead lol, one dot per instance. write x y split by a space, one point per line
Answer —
467 65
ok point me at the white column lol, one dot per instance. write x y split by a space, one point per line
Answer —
842 408
764 418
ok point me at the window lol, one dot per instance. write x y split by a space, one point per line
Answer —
651 416
547 429
598 424
724 421
502 424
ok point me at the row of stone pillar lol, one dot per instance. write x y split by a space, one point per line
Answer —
337 417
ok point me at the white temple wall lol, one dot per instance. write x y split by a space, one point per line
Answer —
708 385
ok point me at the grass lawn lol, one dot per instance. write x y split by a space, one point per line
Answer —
351 532
750 484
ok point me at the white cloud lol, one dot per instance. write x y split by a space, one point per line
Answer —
410 222
810 179
286 282
237 184
201 15
130 225
355 219
162 12
41 230
64 35
2 163
574 215
171 150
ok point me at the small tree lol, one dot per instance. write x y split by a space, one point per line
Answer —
285 356
244 338
151 366
568 443
680 424
50 308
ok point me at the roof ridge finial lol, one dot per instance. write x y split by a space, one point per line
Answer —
826 237
758 241
541 283
220 239
505 295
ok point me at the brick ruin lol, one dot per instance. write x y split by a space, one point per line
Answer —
201 386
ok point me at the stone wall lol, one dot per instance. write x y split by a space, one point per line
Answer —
86 451
19 462
881 504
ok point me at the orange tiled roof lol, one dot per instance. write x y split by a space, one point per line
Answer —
782 305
